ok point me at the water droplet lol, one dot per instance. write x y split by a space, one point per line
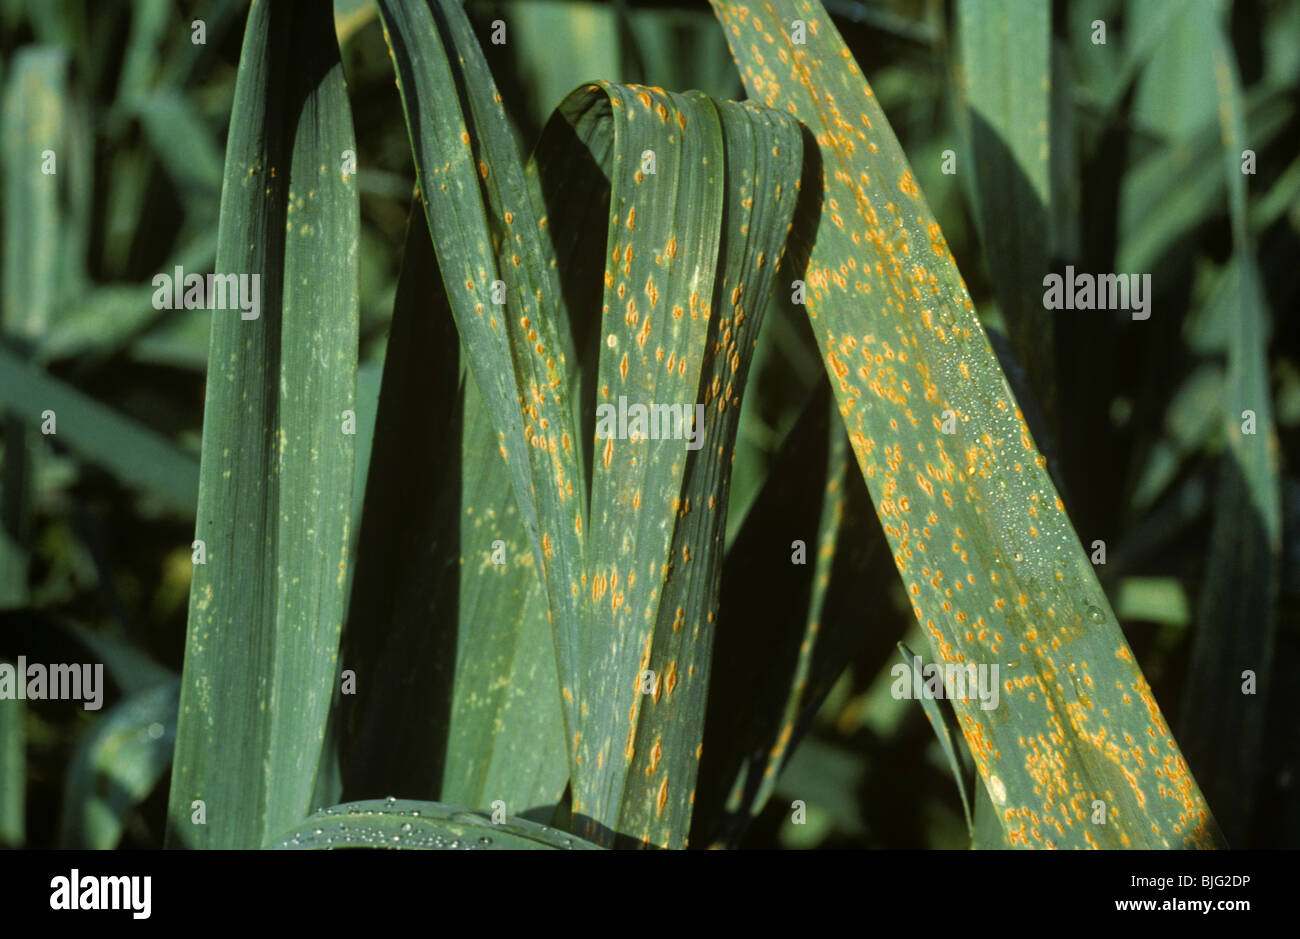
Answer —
948 316
406 826
1019 556
485 841
1096 615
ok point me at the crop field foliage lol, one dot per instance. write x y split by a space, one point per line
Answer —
541 424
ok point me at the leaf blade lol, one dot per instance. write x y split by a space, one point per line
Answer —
913 301
276 473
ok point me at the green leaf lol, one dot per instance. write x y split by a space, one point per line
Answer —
1177 187
826 776
677 48
276 475
149 24
131 670
1225 726
988 835
135 454
186 150
987 554
1188 421
116 765
34 127
934 713
1154 599
13 772
485 224
459 666
1006 71
506 739
399 824
36 161
586 31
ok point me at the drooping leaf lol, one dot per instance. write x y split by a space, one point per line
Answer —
689 256
994 570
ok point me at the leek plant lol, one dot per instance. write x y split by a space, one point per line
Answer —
678 438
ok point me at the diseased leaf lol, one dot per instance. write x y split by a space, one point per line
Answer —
502 289
994 570
492 220
690 252
462 691
275 486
